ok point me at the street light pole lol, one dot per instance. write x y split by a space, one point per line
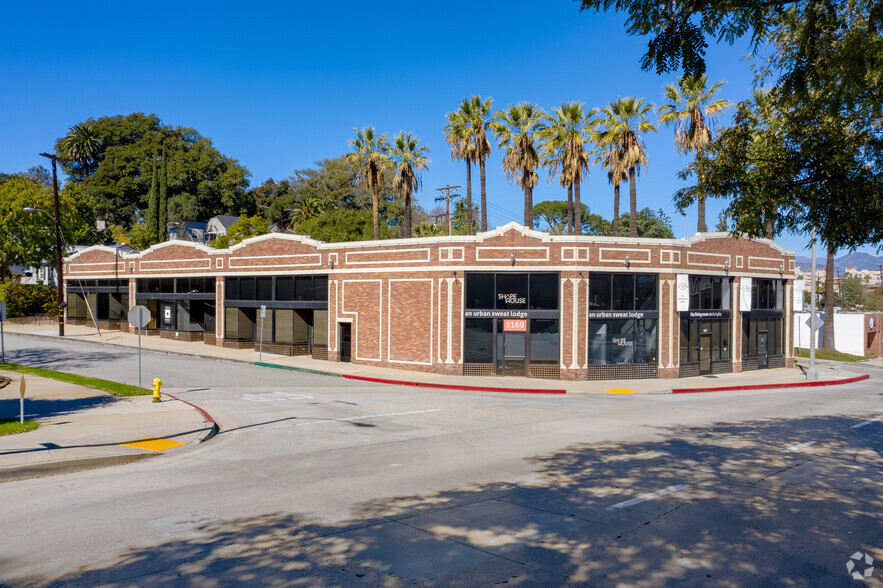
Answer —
59 271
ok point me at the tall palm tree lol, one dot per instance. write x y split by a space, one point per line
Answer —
611 159
478 114
409 158
516 131
371 156
564 149
462 142
624 121
692 106
82 144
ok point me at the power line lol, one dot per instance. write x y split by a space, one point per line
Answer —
447 199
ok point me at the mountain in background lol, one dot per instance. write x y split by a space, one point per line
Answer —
859 260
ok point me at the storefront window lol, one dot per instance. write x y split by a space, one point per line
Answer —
478 341
544 291
512 291
544 341
623 341
622 292
599 292
480 291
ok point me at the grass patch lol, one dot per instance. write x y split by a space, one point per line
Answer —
13 426
831 355
114 388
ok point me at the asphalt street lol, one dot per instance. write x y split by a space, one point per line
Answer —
321 481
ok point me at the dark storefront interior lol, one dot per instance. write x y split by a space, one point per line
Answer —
104 301
296 321
762 326
181 308
706 345
623 326
511 325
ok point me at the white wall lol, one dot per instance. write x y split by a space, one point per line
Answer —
849 331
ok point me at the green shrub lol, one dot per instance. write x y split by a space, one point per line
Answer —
29 299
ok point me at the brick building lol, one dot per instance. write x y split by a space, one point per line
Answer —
511 301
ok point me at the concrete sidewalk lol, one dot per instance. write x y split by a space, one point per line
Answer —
772 377
83 428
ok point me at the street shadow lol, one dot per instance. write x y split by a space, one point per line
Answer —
742 508
62 359
52 407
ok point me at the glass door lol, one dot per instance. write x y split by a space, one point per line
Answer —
705 353
762 349
512 347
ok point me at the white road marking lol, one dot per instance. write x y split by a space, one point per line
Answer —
873 420
274 397
326 421
798 447
650 496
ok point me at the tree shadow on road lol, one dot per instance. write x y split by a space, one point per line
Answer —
62 359
743 507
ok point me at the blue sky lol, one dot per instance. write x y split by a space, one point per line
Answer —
279 86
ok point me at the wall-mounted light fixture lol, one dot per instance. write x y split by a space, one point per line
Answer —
727 266
628 262
781 268
332 263
512 258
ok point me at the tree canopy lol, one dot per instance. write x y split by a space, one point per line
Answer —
202 182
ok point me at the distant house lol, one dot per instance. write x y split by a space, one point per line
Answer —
218 225
188 231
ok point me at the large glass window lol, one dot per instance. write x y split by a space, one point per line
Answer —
478 341
766 294
544 341
285 289
623 292
512 291
599 292
544 291
623 341
264 288
246 288
709 293
232 288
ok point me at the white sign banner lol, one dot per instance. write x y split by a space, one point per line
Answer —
683 292
745 295
799 288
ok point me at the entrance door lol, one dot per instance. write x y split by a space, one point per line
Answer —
345 342
511 350
705 354
762 349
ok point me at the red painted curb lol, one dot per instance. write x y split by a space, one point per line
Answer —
456 386
204 414
769 386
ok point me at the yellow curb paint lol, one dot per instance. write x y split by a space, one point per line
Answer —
152 444
619 390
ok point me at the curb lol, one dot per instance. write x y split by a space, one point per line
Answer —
68 466
410 383
772 386
213 429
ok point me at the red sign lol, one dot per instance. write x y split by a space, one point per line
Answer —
514 324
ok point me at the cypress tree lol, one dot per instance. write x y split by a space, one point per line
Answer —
163 198
152 219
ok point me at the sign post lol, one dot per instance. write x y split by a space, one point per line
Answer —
261 344
2 341
21 403
139 316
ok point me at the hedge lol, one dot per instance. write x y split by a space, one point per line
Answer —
29 299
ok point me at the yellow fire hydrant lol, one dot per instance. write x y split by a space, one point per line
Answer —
157 384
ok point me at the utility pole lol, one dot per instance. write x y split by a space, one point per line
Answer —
59 271
447 199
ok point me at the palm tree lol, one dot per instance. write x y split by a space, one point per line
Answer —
306 208
82 144
692 107
458 135
478 115
516 130
610 159
565 153
409 158
371 156
623 122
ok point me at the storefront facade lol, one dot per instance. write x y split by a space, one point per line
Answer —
508 302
